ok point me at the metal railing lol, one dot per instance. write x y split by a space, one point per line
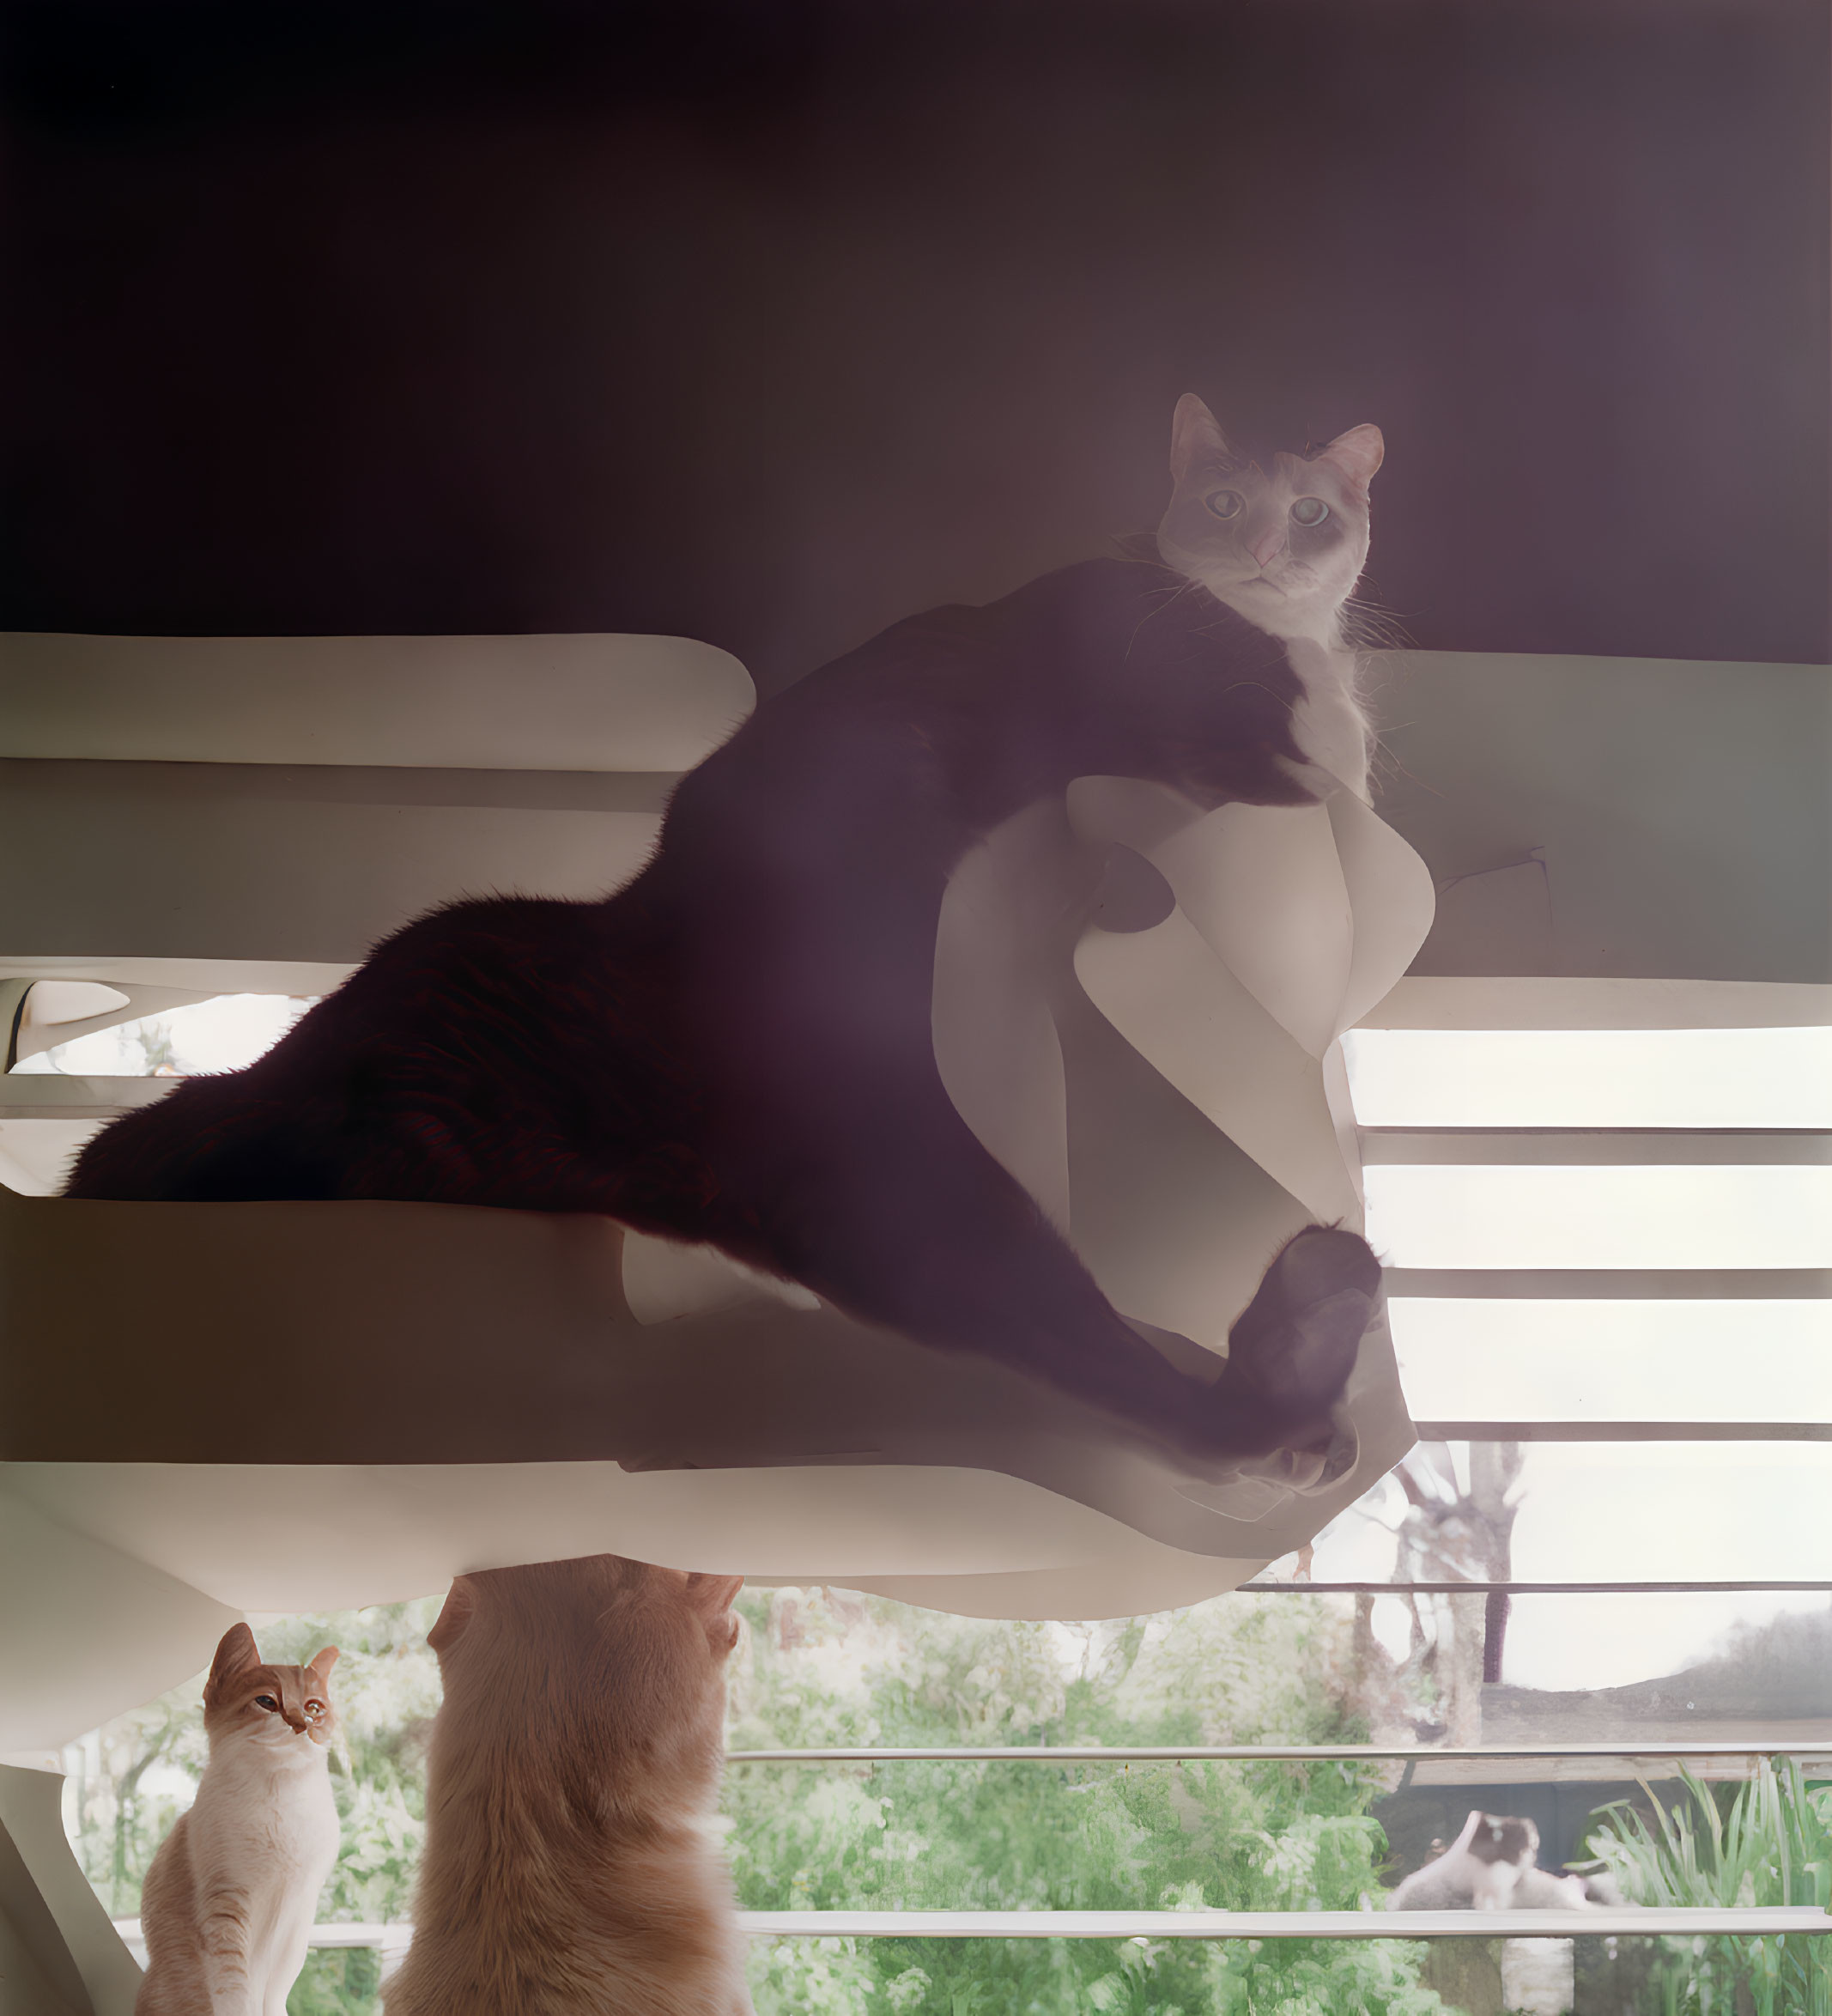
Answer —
1594 1921
1066 1753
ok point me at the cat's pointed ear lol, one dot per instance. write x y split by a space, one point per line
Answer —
236 1654
460 1605
1196 437
713 1593
1356 455
322 1665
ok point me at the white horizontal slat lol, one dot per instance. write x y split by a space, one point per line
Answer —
537 702
1596 1922
1449 1216
1436 1001
1668 1285
196 976
1597 1584
1485 1431
52 1095
1265 1752
390 1941
1591 1077
1600 1147
1723 1365
205 864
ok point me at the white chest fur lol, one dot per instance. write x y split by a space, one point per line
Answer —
227 1922
1328 724
275 1811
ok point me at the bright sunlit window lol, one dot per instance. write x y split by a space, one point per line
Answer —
1466 1358
223 1034
1613 1077
1649 1216
1562 1510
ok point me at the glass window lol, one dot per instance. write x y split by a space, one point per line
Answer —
1663 1078
1433 1215
223 1034
1384 1667
1763 1359
1594 1512
821 1667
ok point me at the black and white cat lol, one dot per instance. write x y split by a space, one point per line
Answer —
737 1047
1284 545
1491 1866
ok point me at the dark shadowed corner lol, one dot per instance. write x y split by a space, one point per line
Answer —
771 326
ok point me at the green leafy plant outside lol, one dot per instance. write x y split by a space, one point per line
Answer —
1769 1842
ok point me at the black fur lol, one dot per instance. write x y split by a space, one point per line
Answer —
736 1045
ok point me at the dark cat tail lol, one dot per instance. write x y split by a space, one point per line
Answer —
211 1141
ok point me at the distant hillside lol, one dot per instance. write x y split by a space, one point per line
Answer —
1773 1672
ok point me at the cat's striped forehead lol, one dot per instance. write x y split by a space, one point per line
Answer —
239 1678
292 1681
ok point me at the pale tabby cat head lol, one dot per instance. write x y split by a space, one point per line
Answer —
280 1706
1283 544
623 1663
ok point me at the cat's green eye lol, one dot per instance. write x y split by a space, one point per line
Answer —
1310 511
1225 503
265 1701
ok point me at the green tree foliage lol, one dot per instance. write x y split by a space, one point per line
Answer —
820 1669
124 1786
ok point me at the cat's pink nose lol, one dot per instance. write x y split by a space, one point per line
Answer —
1268 549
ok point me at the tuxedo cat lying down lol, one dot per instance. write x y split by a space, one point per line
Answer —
1493 1865
736 1047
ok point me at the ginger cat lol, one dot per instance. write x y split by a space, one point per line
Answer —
574 1763
232 1894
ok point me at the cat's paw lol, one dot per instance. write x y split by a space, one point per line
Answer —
1291 1350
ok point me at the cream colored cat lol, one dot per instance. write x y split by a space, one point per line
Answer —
232 1894
568 1868
1282 545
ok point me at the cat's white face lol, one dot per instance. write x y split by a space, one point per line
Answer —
1281 545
